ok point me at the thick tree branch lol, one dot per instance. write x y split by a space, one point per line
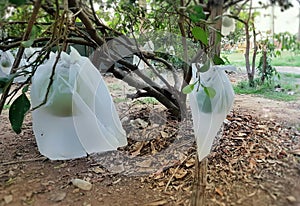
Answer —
87 22
130 80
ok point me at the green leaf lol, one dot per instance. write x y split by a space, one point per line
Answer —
218 60
196 13
27 43
34 32
188 89
200 34
25 88
17 112
205 67
218 37
17 2
210 92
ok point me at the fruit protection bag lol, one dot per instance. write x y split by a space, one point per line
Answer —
79 116
208 113
6 62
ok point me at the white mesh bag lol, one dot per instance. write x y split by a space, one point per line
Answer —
79 117
209 113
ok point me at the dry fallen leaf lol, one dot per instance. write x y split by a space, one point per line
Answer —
291 198
8 199
145 163
295 151
164 134
219 192
252 163
157 203
138 147
98 170
190 162
181 173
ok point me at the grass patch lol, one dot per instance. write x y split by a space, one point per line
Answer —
235 58
286 58
290 75
148 100
114 87
6 106
288 83
119 99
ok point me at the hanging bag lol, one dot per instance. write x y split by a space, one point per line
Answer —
79 117
208 113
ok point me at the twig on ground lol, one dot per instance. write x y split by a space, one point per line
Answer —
175 171
23 161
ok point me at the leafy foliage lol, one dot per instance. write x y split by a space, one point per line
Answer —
269 72
287 41
196 13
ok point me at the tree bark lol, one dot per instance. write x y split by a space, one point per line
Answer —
200 182
216 10
264 66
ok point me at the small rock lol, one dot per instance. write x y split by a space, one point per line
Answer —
291 198
57 197
11 173
76 190
8 199
29 194
82 184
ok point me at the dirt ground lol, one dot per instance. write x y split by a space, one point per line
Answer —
256 161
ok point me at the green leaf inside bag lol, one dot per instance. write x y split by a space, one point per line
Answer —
60 100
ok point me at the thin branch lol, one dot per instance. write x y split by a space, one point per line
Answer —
36 8
169 67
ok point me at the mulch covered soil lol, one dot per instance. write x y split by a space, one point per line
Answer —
255 162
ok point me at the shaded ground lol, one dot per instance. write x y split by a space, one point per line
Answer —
254 163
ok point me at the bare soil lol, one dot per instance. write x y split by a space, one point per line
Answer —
256 161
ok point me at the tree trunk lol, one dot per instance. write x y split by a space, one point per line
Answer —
247 57
216 10
199 184
250 70
264 66
299 26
